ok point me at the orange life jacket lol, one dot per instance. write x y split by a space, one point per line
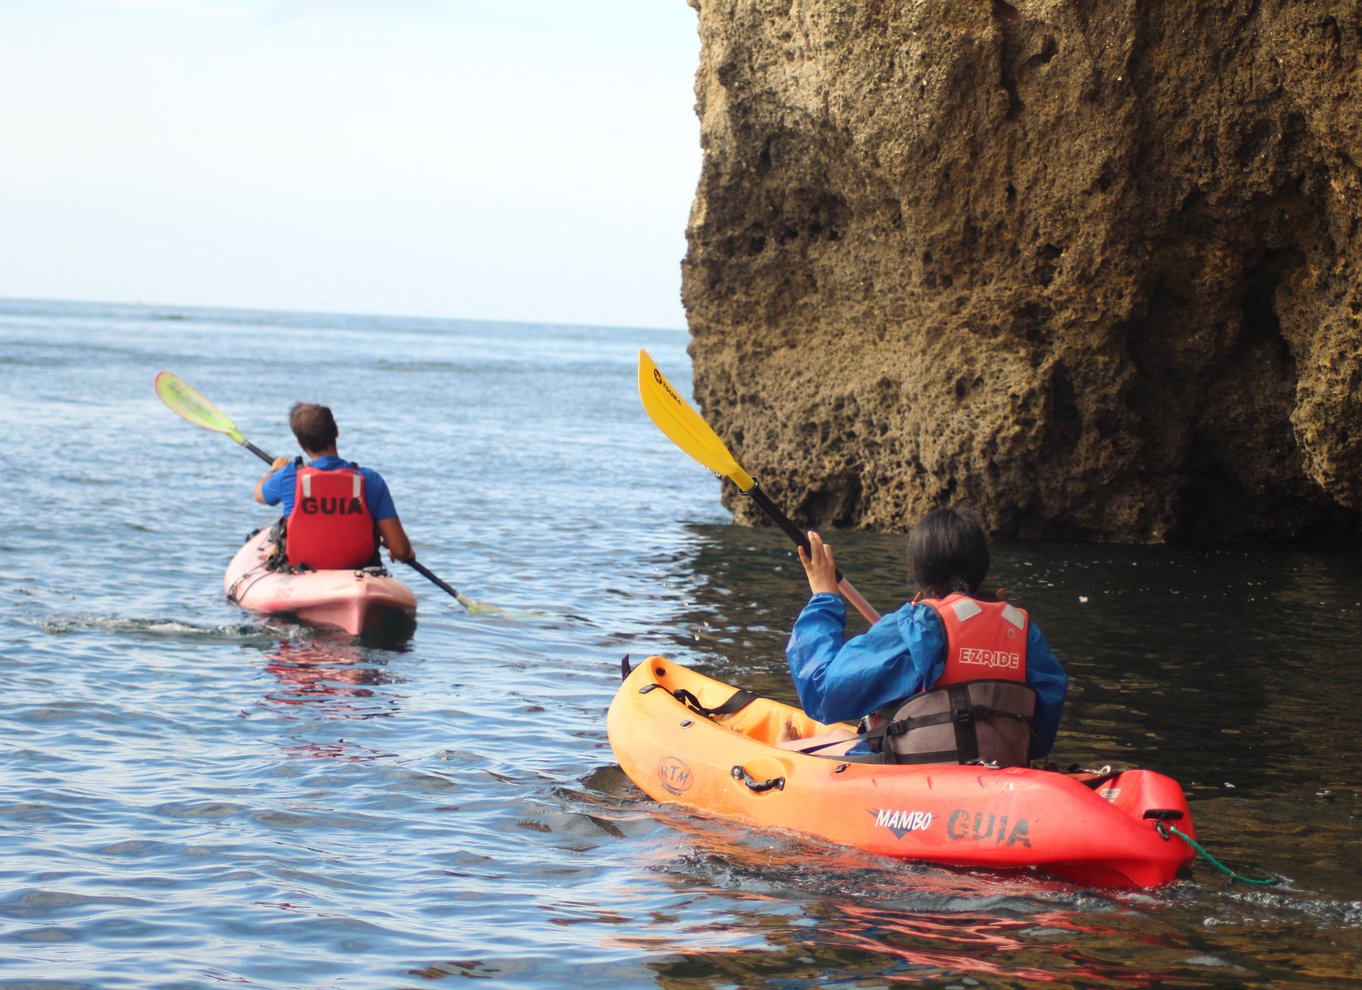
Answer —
330 527
984 640
980 709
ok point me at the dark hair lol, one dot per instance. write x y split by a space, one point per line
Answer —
313 425
948 551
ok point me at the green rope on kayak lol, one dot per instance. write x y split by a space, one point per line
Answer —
1266 880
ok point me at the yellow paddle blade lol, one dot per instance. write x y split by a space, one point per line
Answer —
183 399
684 426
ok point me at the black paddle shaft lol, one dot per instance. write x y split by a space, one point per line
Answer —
799 537
257 452
430 576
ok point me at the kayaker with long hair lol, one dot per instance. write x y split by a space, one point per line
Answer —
335 512
953 676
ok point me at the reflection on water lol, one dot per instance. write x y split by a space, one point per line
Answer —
325 674
332 677
813 915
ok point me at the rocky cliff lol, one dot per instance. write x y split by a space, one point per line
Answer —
1093 266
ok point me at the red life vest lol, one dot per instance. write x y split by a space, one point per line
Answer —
981 708
330 527
984 640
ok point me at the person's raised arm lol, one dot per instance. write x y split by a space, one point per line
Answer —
260 485
819 566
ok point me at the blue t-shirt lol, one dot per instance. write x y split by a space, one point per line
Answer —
280 486
840 679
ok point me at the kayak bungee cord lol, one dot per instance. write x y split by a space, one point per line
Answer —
1267 880
236 593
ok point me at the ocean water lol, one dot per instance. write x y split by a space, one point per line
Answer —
192 796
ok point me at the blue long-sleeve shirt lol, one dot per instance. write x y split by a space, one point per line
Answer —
840 679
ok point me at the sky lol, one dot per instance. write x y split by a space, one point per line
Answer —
527 160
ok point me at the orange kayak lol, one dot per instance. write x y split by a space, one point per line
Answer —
355 600
1090 828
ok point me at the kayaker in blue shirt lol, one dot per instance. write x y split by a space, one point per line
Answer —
352 502
904 653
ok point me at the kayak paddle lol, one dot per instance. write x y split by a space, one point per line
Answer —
184 399
188 403
688 430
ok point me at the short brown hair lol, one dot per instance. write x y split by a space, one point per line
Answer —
313 425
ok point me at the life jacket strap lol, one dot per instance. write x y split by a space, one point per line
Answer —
278 560
901 739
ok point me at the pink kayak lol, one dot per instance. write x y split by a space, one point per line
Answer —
355 600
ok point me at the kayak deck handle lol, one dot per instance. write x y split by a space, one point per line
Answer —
1161 817
757 786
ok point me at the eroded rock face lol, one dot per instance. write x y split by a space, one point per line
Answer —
1094 267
